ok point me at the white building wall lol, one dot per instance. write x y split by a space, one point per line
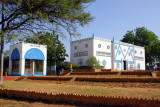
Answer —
78 47
139 58
23 48
12 47
123 52
113 55
43 48
102 51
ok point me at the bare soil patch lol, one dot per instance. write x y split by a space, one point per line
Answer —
4 102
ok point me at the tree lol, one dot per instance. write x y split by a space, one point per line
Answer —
56 51
25 17
92 61
143 37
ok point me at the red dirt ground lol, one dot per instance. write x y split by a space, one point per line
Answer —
6 78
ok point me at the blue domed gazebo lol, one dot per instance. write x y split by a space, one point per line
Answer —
28 59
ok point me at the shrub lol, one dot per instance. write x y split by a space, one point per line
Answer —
92 61
85 67
75 66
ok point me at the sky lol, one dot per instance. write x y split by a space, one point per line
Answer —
113 18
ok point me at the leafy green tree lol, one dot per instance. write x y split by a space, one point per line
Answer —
20 18
143 37
93 62
56 51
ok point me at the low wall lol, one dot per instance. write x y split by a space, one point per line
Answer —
83 70
137 73
93 73
90 100
51 78
90 70
145 80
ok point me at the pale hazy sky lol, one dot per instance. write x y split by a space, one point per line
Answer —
114 17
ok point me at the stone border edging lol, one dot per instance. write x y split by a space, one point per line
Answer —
78 99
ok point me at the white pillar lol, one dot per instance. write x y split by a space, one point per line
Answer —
22 66
10 66
44 67
33 67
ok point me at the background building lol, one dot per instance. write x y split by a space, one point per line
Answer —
27 59
113 55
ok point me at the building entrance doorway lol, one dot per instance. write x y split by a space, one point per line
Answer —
124 65
33 67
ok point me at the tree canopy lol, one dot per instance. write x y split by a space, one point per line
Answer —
143 37
56 51
36 15
19 18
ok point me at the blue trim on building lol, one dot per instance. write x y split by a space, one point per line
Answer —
118 61
14 75
80 61
81 55
127 53
93 36
34 53
99 45
15 54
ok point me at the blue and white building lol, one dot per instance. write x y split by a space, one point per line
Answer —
113 54
27 59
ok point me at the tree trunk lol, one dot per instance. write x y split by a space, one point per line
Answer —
2 44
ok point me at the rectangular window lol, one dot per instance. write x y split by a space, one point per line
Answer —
15 66
38 67
80 62
86 53
86 45
75 47
81 54
27 63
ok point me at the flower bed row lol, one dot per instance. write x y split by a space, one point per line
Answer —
136 73
90 100
51 78
93 79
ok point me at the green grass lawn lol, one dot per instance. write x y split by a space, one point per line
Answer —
90 88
